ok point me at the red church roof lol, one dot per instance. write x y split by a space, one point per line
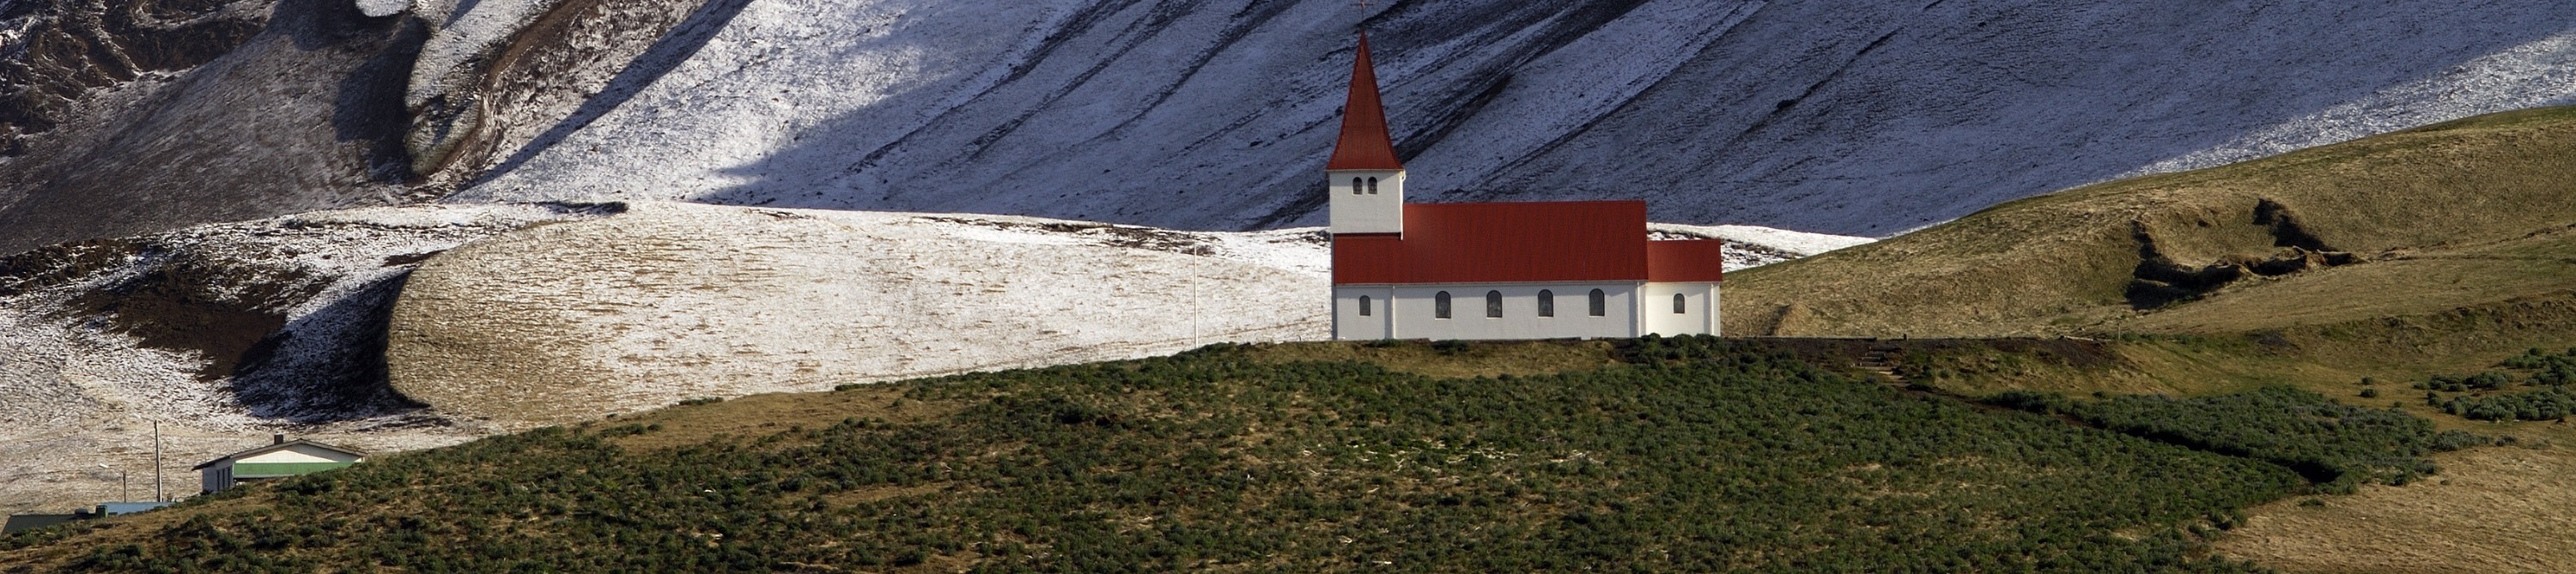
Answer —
1365 143
1564 241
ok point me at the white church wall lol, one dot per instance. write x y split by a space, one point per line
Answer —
1698 312
1372 209
1411 312
1350 325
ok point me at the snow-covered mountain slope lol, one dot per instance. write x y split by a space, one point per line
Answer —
1850 118
1853 118
222 333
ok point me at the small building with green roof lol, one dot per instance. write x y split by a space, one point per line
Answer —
280 459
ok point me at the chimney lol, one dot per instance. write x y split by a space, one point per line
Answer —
277 438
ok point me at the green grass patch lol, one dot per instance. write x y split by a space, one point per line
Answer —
2334 445
1701 456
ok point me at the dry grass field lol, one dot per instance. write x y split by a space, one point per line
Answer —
2491 511
2440 250
2467 212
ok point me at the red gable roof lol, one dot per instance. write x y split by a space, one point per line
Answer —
1364 143
1686 261
1519 243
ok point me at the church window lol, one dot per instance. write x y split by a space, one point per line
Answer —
1600 303
1364 306
1680 304
1372 186
1355 186
1546 303
1493 304
1440 305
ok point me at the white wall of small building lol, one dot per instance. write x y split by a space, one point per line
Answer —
215 478
1697 315
1410 311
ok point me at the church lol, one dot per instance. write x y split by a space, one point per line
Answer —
1516 270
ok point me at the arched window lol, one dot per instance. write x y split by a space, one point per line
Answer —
1493 304
1355 186
1600 303
1364 306
1546 303
1372 186
1680 304
1440 305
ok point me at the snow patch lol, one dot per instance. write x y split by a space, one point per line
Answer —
382 8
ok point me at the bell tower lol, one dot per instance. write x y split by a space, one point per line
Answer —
1364 179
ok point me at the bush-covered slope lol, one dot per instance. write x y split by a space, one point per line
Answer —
2463 213
1698 455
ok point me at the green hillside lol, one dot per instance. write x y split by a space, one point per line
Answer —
1692 454
2466 214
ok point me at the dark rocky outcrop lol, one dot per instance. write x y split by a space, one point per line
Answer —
71 48
2160 281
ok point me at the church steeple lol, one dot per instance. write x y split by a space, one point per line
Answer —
1365 143
1363 176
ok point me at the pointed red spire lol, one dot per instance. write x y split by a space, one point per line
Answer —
1364 143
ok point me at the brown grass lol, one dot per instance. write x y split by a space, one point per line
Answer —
1478 360
137 528
2062 263
692 424
2493 510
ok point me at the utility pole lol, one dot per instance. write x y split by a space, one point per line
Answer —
156 463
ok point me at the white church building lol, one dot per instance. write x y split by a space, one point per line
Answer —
1518 270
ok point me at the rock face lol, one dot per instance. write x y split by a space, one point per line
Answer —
61 51
139 116
285 110
572 321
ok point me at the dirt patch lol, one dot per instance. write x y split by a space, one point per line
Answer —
190 305
409 259
1106 234
62 264
2491 510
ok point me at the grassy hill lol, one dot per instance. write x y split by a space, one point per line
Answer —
2468 213
1651 455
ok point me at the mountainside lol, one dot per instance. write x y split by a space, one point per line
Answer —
137 116
1852 119
2462 215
